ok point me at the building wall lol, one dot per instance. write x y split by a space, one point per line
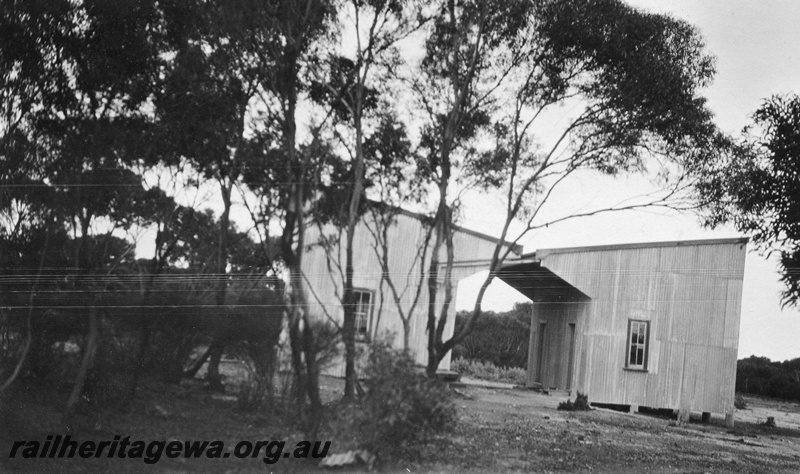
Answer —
690 294
323 271
549 365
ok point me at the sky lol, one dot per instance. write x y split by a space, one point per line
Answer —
757 46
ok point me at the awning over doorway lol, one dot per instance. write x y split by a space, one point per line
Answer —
539 283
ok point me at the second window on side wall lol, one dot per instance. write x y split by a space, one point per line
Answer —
638 333
363 299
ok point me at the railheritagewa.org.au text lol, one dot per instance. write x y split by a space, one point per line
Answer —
150 452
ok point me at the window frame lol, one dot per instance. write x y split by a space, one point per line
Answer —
630 345
367 315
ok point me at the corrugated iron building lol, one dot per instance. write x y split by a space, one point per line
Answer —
652 324
378 313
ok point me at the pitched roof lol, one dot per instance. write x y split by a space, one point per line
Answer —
517 249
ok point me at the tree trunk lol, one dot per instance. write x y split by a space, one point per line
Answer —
217 347
28 329
349 334
215 355
301 336
433 277
441 228
304 356
300 385
86 362
312 369
138 364
25 349
192 371
348 327
406 333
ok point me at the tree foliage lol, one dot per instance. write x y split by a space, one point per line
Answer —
761 376
756 186
402 408
88 90
501 339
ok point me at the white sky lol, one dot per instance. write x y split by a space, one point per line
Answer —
756 45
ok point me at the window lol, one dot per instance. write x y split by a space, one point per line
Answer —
638 339
363 301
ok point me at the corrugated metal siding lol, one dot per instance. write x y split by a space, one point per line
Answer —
405 238
691 295
556 318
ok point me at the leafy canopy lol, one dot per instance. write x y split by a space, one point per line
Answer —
756 186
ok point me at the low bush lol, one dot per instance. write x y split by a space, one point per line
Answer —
254 391
740 402
401 407
581 403
488 371
109 378
326 343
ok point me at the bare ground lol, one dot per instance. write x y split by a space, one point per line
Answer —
500 430
511 430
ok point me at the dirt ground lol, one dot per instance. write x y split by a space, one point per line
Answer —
522 431
500 430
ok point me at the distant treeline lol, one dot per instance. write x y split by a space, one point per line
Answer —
761 376
498 338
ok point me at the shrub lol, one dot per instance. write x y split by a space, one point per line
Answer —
254 391
488 371
740 402
109 377
402 407
326 343
171 345
581 403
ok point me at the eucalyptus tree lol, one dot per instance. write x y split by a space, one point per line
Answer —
352 89
76 81
282 173
631 82
454 86
756 186
212 74
390 177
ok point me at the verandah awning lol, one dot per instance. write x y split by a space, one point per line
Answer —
539 283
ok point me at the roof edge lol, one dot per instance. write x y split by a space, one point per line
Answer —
541 253
517 248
